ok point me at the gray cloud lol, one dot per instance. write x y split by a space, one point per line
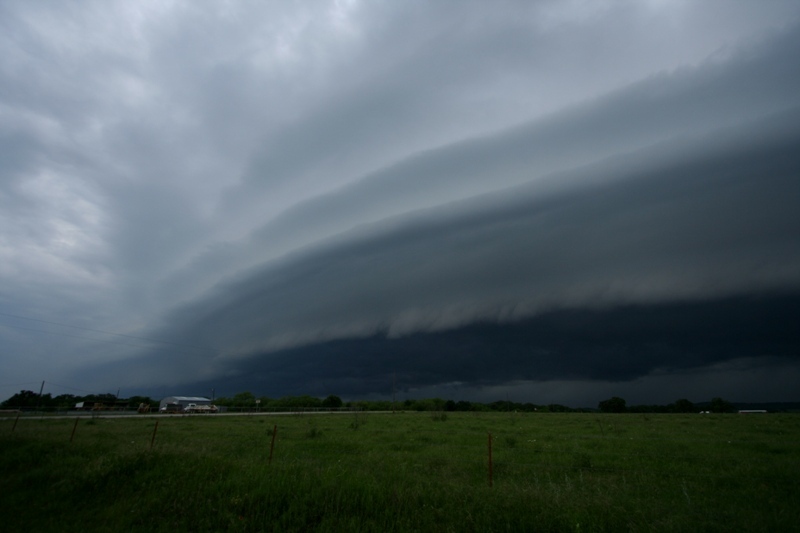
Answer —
668 224
655 352
663 107
257 179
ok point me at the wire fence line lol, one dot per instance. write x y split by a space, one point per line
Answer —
522 450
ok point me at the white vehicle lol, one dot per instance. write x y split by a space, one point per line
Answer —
203 409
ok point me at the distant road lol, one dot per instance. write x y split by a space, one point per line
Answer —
128 414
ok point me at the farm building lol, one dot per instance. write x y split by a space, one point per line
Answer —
182 401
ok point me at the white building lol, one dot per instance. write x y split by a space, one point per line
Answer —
182 401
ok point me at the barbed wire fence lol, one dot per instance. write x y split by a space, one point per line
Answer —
492 454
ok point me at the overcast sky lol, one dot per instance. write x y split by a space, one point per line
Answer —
551 201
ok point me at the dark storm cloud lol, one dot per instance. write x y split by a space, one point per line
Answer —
688 101
249 181
618 344
700 219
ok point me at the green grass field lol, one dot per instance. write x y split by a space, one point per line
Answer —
403 472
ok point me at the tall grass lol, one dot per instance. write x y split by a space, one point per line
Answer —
404 472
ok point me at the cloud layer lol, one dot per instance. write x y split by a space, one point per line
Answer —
192 194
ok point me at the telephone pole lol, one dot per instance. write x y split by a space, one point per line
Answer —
40 396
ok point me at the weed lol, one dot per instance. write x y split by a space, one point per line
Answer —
359 419
404 473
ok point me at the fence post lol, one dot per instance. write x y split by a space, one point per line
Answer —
15 422
272 445
74 428
153 440
490 459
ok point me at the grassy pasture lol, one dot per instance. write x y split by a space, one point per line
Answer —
403 472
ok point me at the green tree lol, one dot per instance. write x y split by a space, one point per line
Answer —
684 406
244 399
615 404
24 398
222 400
718 405
65 401
332 402
502 405
425 404
463 405
379 405
296 402
266 401
135 401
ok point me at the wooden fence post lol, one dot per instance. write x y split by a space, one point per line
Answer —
272 445
73 429
153 440
15 422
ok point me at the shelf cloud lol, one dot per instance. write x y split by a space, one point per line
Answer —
555 201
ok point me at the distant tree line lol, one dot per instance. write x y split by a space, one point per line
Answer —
248 401
31 400
616 404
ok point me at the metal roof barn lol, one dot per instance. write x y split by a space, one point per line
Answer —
183 401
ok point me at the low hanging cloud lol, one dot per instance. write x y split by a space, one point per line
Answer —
701 219
665 344
313 198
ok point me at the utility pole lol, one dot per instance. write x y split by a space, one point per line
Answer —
40 396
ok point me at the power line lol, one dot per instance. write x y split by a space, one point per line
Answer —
73 388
